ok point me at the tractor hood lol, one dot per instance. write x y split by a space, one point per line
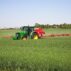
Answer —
19 35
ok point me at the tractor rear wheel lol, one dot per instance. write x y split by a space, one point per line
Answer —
35 36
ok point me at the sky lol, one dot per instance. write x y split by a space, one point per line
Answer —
16 13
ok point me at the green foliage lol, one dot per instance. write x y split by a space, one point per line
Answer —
57 31
62 26
50 54
34 55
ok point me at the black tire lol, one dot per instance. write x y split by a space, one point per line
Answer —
34 35
18 36
24 37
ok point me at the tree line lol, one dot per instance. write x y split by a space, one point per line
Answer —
63 26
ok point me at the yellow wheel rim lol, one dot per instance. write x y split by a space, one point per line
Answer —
35 37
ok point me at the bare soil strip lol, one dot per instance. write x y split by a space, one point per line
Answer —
56 35
49 35
53 35
6 37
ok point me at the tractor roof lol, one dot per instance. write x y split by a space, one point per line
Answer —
26 27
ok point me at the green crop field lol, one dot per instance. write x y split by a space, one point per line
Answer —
48 31
49 54
58 31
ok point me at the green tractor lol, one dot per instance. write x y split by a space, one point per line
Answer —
29 32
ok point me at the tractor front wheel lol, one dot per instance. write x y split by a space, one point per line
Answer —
24 37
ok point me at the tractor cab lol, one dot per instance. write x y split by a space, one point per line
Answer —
27 29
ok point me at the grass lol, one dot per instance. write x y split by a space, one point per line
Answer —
50 54
8 32
48 31
58 31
